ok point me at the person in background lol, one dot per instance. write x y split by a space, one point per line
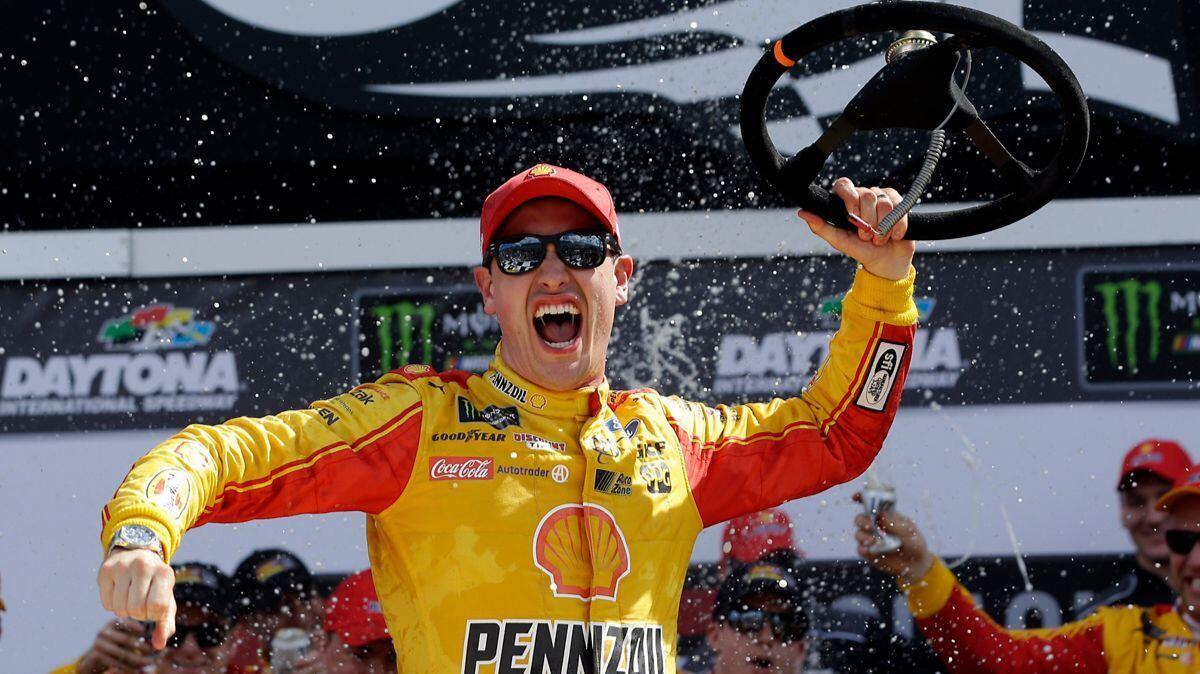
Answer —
358 640
1147 472
1114 640
765 535
272 589
759 622
748 538
200 645
120 647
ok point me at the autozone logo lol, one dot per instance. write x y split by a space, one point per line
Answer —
563 647
461 468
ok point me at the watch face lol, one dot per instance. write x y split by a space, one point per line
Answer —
136 534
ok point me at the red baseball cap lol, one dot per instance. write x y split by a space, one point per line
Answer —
749 537
1188 484
1164 458
545 180
353 611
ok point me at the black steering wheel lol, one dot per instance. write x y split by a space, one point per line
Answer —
918 91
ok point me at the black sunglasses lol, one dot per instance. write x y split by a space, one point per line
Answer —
580 249
787 627
207 635
1181 542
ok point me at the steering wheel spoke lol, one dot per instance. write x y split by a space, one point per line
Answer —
1019 176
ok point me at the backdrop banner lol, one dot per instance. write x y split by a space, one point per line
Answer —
995 328
194 112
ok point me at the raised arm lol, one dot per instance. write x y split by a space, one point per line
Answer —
744 458
964 637
352 452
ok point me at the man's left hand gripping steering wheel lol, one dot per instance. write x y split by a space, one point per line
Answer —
888 256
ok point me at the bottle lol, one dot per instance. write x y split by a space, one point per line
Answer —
287 646
878 498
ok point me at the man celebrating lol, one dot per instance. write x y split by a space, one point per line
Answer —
532 518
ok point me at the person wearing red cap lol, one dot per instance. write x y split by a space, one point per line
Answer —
1148 471
749 538
533 516
359 642
1127 639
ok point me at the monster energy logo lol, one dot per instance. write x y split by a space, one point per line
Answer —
1122 305
403 328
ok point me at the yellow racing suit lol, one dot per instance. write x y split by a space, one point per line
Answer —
517 529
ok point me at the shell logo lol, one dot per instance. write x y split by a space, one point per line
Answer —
583 550
539 171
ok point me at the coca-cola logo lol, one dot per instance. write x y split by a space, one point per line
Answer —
461 468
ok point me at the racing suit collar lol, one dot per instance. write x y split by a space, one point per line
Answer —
529 397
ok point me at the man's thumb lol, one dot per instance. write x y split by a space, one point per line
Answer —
815 222
165 628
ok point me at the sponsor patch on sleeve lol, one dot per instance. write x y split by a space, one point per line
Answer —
881 376
193 454
168 490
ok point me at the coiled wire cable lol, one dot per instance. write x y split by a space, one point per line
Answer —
937 142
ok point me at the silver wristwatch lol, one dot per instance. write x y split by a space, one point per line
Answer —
135 537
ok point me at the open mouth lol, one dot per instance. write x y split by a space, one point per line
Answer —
760 663
558 324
